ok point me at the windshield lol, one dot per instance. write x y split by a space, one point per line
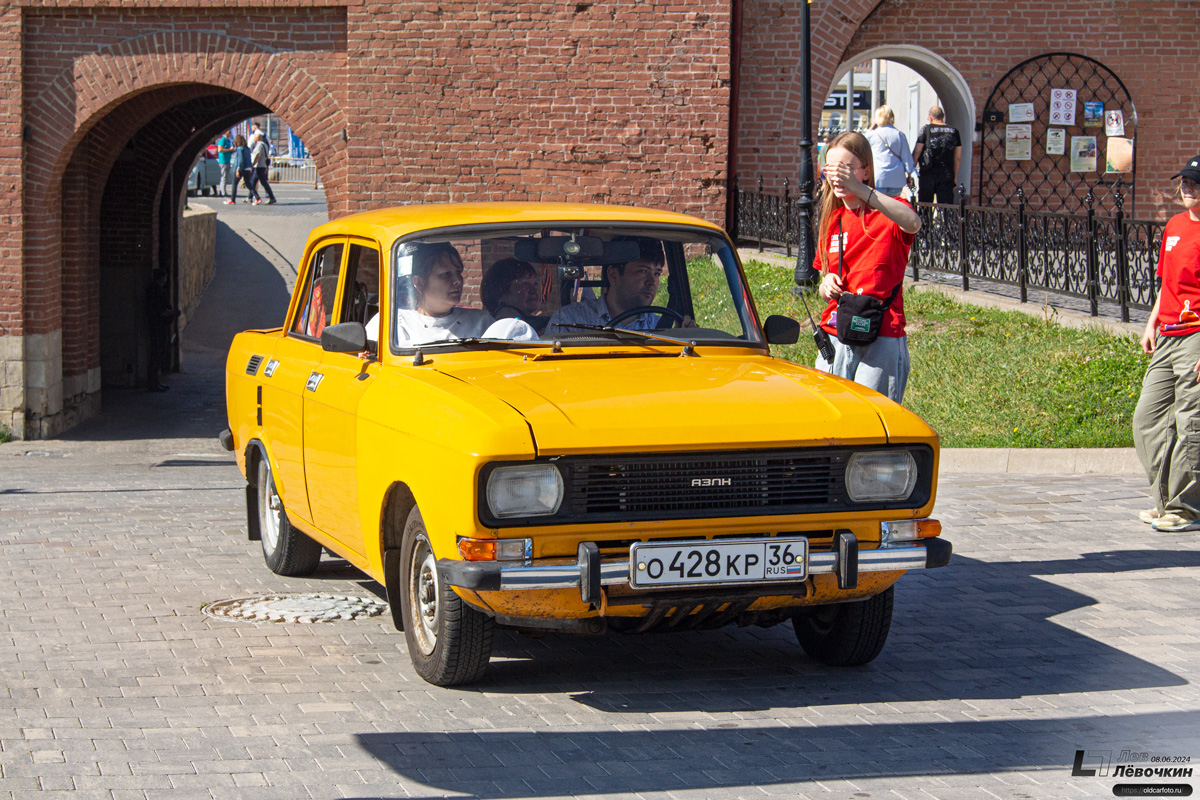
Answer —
565 284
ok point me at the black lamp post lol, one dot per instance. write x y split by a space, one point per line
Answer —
805 275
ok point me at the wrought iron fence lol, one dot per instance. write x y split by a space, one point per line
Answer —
1099 259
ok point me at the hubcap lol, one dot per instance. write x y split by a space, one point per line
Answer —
423 595
269 508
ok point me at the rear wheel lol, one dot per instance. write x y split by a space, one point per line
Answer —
286 550
448 641
845 634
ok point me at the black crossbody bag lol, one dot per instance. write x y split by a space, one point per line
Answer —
859 316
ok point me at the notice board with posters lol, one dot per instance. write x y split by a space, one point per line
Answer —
1071 106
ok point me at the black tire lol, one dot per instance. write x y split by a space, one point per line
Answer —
845 634
286 550
449 642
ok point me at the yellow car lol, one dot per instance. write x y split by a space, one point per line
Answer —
557 417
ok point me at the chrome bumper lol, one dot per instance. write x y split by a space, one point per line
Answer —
589 572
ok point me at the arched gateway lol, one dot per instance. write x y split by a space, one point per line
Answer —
105 179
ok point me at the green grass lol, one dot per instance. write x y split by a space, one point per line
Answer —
988 378
5 433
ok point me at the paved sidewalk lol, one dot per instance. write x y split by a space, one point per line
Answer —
1062 624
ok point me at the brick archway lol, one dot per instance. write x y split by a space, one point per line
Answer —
947 82
74 101
86 115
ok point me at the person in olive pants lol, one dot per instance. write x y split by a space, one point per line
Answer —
1166 422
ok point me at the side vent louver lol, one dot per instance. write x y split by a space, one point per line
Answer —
252 367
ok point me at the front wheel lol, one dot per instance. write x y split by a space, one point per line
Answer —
449 642
845 634
286 550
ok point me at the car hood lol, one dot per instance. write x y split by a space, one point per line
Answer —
642 403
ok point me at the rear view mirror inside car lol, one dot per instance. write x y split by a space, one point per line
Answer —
581 250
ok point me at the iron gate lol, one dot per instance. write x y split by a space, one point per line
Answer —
1046 180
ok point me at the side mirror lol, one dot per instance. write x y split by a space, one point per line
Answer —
345 337
779 330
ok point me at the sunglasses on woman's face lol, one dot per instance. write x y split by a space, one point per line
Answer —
1187 187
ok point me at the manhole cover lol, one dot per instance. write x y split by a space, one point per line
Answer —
304 608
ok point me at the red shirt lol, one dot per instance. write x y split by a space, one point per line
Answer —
874 261
1179 268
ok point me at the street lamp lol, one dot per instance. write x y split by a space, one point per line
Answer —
805 275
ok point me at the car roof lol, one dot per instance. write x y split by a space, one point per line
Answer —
389 224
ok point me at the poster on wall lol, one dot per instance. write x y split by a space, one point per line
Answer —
1020 112
1018 142
1114 122
1119 157
1093 114
1062 106
1056 141
1083 154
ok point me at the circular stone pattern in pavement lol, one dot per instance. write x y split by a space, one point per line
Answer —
304 608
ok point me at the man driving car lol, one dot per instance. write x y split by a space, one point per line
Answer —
628 286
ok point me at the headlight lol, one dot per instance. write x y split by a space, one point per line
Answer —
889 475
528 490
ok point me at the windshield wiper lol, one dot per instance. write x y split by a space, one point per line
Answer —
688 345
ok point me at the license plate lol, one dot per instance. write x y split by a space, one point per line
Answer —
717 562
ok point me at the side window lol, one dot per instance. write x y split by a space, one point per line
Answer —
321 292
361 302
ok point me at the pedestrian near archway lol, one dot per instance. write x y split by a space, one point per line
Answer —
938 153
1166 422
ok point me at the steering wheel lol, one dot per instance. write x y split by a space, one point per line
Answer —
675 317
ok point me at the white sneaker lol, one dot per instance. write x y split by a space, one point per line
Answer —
229 202
1175 523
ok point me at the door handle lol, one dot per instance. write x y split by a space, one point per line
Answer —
314 380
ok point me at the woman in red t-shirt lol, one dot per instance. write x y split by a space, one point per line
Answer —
1166 422
872 233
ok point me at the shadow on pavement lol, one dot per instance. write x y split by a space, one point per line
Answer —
976 630
707 755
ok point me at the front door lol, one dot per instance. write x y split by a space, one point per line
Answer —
331 399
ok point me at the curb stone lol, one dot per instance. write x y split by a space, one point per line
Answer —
1042 461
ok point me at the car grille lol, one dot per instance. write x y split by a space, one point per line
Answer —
656 487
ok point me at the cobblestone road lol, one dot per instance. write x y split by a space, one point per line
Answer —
1063 624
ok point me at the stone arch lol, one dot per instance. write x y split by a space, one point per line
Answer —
115 91
99 82
948 82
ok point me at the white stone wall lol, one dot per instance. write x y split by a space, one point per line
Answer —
12 385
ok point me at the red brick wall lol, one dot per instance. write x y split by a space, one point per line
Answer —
623 102
1149 44
12 295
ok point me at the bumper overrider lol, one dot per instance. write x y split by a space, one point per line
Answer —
590 572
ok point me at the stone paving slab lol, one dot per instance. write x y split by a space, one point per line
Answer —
1042 638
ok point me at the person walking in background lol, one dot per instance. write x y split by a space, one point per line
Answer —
224 153
863 241
1166 422
242 170
893 159
938 153
260 159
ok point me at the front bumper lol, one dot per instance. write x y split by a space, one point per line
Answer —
590 572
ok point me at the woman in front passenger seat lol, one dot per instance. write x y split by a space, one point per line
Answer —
435 316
